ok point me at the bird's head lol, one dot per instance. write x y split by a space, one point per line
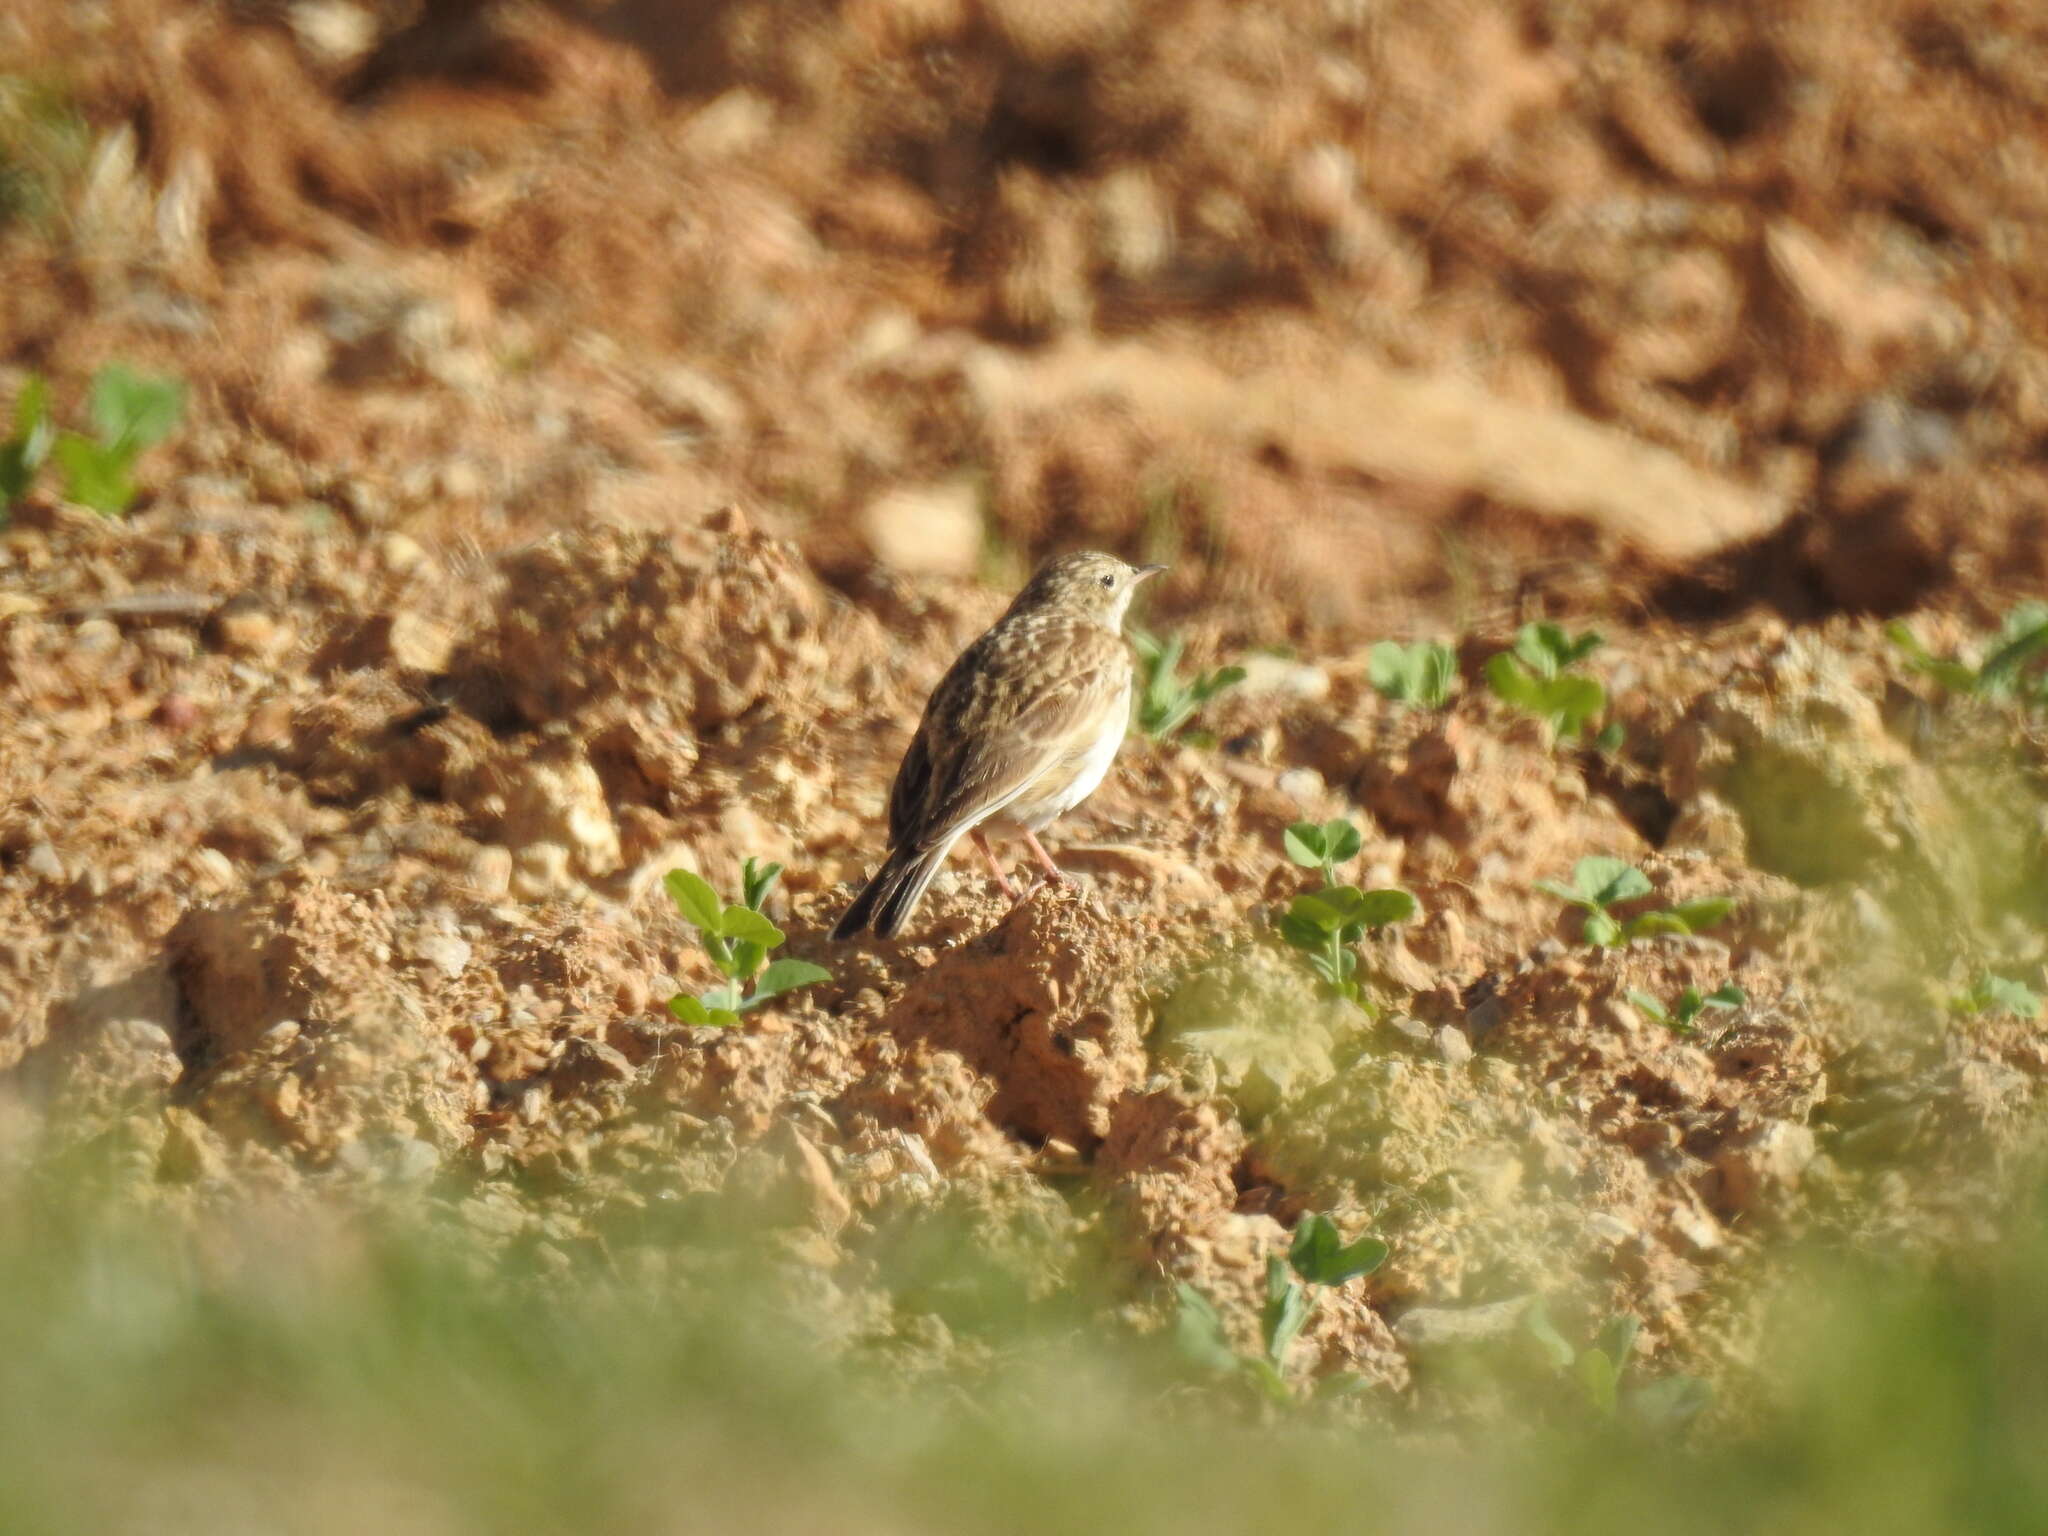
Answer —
1088 584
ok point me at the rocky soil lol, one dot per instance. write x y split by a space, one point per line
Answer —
599 440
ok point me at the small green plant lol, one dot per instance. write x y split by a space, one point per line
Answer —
1679 1016
1322 845
1166 702
1421 675
1317 1257
1326 925
1597 1369
45 146
1320 1256
1199 1335
2008 672
737 938
1998 994
23 453
1536 677
131 412
1600 883
1599 1373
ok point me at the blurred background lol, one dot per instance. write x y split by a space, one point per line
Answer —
374 637
1717 303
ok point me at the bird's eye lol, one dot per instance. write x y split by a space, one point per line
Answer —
1109 580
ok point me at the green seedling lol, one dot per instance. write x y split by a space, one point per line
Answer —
1691 1003
1600 883
1599 1372
2008 672
1166 701
1320 1255
1317 1257
1322 847
1199 1335
1536 677
1998 994
1326 925
738 939
1280 1320
1421 675
131 412
1548 650
23 453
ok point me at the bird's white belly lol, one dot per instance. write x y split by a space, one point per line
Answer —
1072 780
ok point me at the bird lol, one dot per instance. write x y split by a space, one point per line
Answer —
1019 731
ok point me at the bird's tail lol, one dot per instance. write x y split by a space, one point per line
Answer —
887 901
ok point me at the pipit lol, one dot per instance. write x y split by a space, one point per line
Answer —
1020 730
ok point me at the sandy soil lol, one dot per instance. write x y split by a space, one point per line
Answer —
599 439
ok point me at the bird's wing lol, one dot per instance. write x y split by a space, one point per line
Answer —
998 721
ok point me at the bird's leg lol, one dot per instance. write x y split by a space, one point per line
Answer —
988 853
1053 872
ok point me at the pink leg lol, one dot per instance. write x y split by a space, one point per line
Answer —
988 853
1052 871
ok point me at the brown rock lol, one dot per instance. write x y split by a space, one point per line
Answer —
191 1151
1766 1159
300 949
609 615
1438 430
268 724
932 530
1168 1164
826 1204
557 821
1047 1007
414 642
244 626
1158 874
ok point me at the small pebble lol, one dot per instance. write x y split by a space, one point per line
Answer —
1304 786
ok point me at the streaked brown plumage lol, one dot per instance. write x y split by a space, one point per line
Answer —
1021 729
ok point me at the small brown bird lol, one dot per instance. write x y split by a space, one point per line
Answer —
1020 730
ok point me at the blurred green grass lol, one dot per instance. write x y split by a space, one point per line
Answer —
45 143
295 1375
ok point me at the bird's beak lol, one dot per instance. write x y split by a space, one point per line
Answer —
1146 573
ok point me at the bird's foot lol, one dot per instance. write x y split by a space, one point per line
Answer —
1053 872
1003 882
1058 880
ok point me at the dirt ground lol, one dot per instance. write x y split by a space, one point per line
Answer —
603 429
